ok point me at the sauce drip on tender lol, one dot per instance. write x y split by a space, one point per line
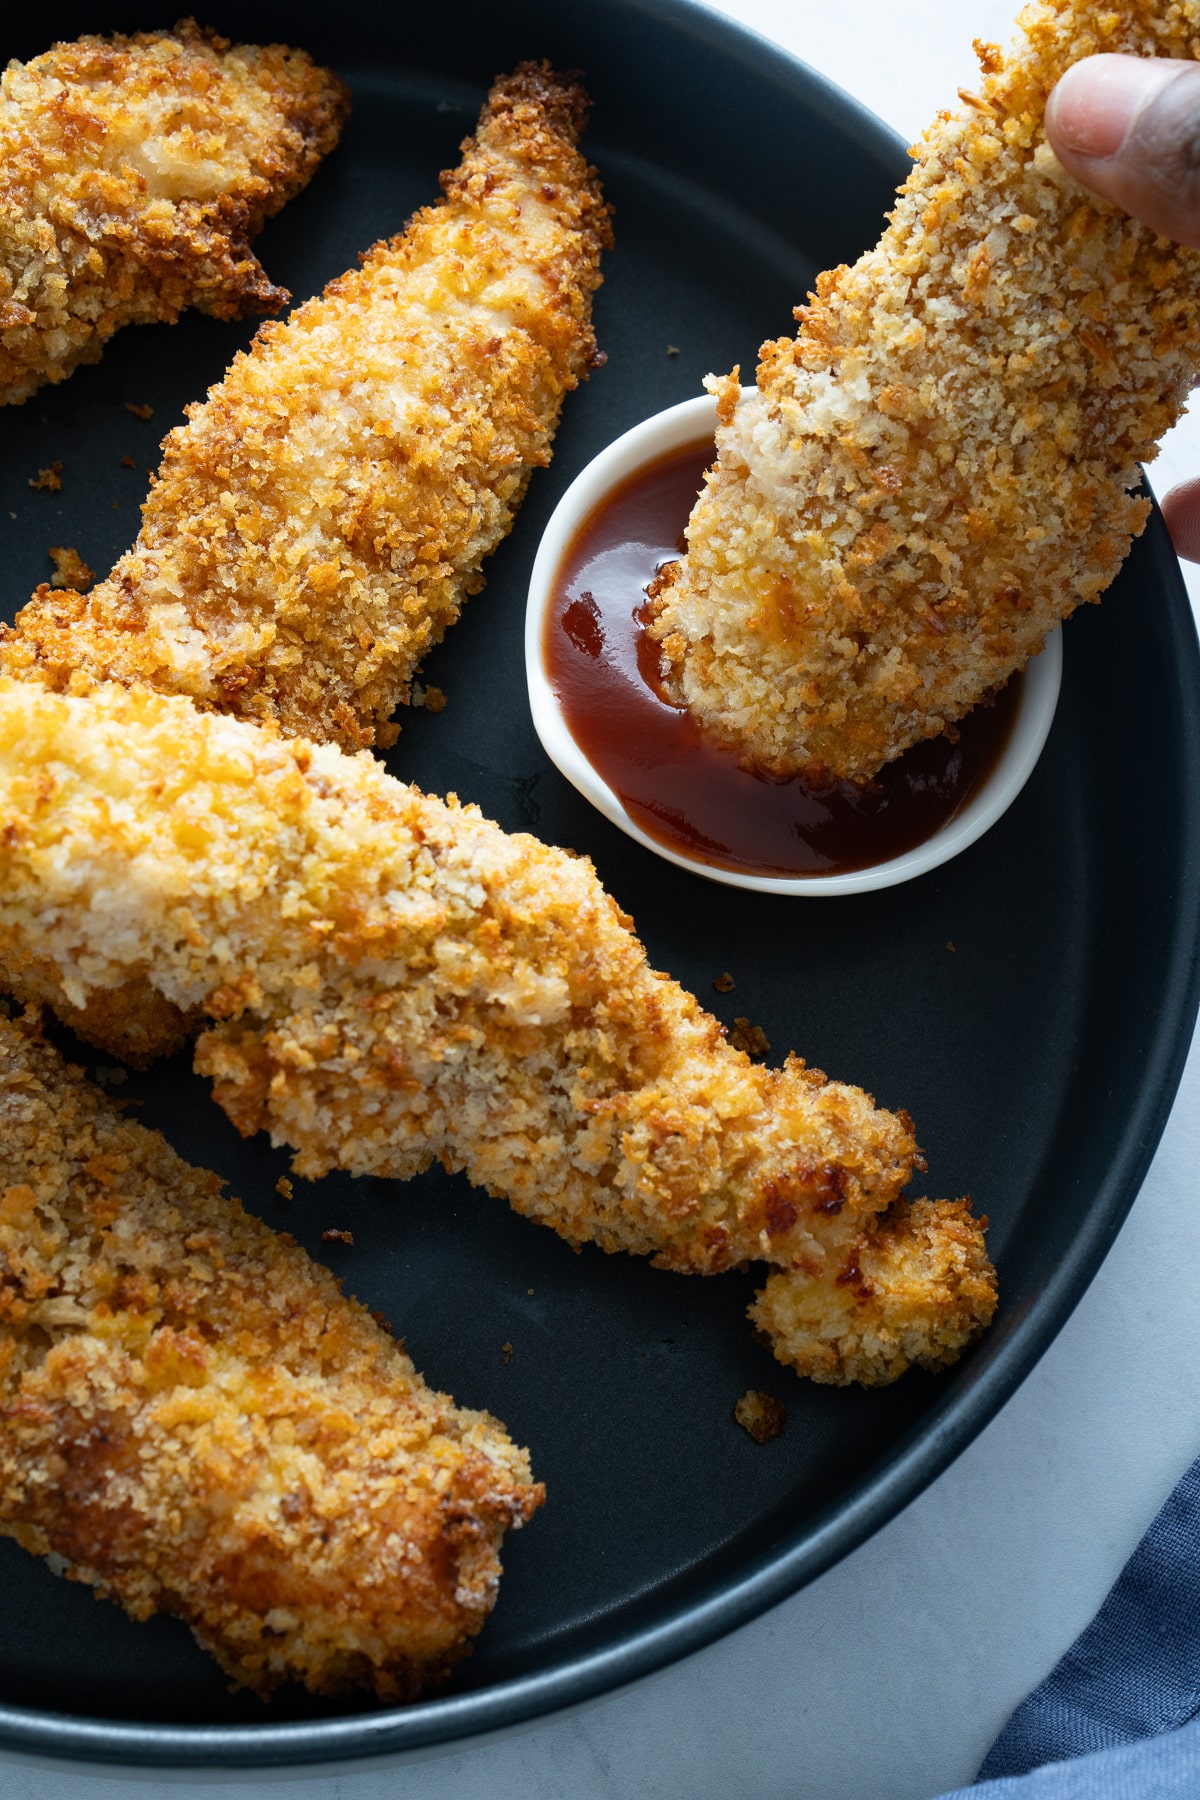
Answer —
683 788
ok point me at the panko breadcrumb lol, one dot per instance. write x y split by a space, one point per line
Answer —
133 173
394 979
940 466
70 570
317 524
762 1416
197 1421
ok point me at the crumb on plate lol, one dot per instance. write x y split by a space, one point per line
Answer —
70 570
761 1415
750 1038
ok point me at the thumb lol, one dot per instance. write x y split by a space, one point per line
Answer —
1181 511
1128 127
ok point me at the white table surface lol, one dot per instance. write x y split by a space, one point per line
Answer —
888 1678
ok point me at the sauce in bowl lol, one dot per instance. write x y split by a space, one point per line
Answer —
683 788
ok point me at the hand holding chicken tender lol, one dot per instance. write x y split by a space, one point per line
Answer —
198 1422
941 465
1126 127
395 980
133 173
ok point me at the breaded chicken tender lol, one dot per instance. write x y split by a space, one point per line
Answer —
394 979
198 1422
320 519
939 467
133 173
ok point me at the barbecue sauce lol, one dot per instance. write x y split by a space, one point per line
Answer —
678 783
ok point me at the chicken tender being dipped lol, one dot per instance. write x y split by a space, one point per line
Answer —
198 1422
940 466
317 524
134 172
393 979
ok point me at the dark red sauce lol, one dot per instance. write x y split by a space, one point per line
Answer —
683 788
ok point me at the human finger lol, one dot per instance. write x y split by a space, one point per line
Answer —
1181 510
1128 127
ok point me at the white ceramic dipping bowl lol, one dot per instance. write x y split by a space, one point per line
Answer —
645 443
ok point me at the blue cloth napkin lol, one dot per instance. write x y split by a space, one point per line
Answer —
1117 1719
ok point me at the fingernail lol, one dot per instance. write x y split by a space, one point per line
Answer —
1097 100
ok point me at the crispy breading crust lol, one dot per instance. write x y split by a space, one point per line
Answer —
913 1291
937 469
133 173
132 1022
318 523
196 1419
396 979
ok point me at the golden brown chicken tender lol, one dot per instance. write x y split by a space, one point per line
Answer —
318 523
939 467
133 173
197 1421
394 979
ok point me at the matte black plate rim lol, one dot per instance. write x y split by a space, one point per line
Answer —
54 1736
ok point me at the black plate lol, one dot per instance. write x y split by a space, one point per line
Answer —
1039 1056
